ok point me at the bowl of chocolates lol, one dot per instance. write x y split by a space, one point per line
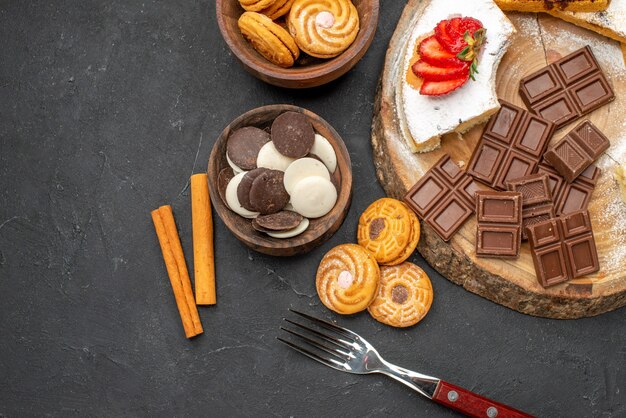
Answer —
280 178
298 43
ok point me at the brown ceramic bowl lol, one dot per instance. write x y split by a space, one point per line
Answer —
303 74
320 229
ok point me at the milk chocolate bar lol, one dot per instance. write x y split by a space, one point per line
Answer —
567 89
443 197
499 216
570 197
577 150
537 203
563 248
511 146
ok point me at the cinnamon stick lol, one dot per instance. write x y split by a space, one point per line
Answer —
203 253
174 258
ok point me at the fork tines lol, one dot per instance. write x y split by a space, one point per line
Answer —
320 340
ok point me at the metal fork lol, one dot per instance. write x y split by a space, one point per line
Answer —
347 351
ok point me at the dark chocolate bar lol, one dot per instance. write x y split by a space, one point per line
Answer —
443 197
563 248
537 203
567 89
577 150
570 197
499 216
511 146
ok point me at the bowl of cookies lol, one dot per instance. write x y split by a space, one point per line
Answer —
298 43
280 178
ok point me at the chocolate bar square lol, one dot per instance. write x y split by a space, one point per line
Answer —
563 248
511 146
537 203
443 197
570 197
499 216
577 150
567 89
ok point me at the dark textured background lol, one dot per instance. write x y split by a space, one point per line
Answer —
106 108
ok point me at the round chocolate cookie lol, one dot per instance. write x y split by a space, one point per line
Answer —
268 194
293 134
243 190
279 221
223 178
244 144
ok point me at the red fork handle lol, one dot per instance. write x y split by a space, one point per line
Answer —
473 405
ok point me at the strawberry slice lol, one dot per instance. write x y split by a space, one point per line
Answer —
442 34
455 30
430 72
433 53
439 88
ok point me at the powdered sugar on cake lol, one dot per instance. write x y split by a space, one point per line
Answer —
429 117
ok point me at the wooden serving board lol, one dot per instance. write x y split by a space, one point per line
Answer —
540 39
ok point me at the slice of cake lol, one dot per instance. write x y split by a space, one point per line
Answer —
449 70
548 5
610 22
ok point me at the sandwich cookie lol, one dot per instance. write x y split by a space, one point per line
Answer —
303 168
233 201
256 5
347 279
269 39
385 230
404 295
277 9
244 145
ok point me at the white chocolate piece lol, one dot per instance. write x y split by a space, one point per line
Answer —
313 197
301 169
289 206
233 201
291 232
269 157
235 167
325 152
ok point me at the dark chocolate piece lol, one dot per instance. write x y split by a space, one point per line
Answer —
279 221
268 194
570 197
243 190
537 203
577 150
563 248
293 134
511 146
443 197
567 89
499 216
244 144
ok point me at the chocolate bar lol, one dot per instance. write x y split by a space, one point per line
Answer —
577 150
511 146
563 248
570 197
537 203
443 197
567 89
499 216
